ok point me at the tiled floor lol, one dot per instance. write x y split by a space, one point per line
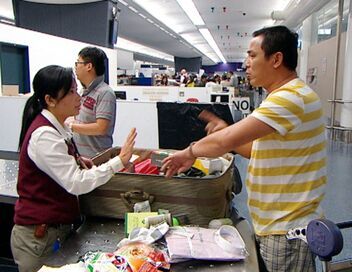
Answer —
338 201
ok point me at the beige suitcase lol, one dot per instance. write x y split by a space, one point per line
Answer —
198 200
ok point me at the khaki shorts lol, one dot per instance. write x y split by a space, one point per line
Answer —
30 252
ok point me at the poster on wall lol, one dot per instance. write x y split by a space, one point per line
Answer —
312 75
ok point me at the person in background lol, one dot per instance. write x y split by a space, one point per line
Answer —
93 127
51 172
183 77
203 81
217 79
225 81
164 80
233 80
284 138
211 82
191 80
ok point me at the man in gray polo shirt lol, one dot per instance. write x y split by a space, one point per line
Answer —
94 126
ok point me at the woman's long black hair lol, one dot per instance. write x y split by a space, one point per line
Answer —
51 80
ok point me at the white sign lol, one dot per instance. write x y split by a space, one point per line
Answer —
242 104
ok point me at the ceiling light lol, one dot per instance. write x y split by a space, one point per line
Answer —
123 2
155 9
199 43
324 31
209 38
139 48
159 12
191 11
133 9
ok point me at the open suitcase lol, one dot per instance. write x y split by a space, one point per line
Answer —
199 200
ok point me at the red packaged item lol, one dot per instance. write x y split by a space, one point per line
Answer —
145 167
143 258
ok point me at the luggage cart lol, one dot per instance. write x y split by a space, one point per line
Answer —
325 239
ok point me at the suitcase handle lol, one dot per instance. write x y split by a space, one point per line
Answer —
131 197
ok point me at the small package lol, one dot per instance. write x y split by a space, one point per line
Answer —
158 156
134 220
208 166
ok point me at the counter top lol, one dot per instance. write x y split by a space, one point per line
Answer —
104 234
8 181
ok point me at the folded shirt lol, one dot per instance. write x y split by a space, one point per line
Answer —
224 244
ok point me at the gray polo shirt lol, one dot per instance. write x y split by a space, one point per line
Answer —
98 102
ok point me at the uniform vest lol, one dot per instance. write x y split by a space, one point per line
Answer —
41 199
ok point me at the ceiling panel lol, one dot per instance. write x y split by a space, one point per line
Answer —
230 22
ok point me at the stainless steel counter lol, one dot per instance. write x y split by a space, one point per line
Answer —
104 234
8 181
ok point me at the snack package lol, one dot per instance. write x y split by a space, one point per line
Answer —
143 258
105 262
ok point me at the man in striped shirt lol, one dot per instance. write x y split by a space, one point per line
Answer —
285 141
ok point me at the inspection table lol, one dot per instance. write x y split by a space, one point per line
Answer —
103 234
8 181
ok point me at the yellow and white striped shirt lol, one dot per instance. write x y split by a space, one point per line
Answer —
287 171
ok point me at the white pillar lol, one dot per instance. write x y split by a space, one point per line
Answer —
306 42
346 110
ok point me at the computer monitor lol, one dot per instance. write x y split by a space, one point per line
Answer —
121 95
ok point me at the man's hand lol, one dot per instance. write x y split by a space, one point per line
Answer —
214 122
127 148
177 162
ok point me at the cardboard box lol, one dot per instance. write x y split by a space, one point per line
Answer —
10 90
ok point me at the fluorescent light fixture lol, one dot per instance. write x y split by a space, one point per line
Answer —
123 2
190 9
142 15
200 45
162 13
158 11
133 9
139 48
324 31
209 38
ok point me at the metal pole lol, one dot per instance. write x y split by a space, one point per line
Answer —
338 41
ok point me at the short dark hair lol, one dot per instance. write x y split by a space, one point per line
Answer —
95 56
280 39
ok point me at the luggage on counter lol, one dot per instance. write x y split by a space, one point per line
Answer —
199 200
